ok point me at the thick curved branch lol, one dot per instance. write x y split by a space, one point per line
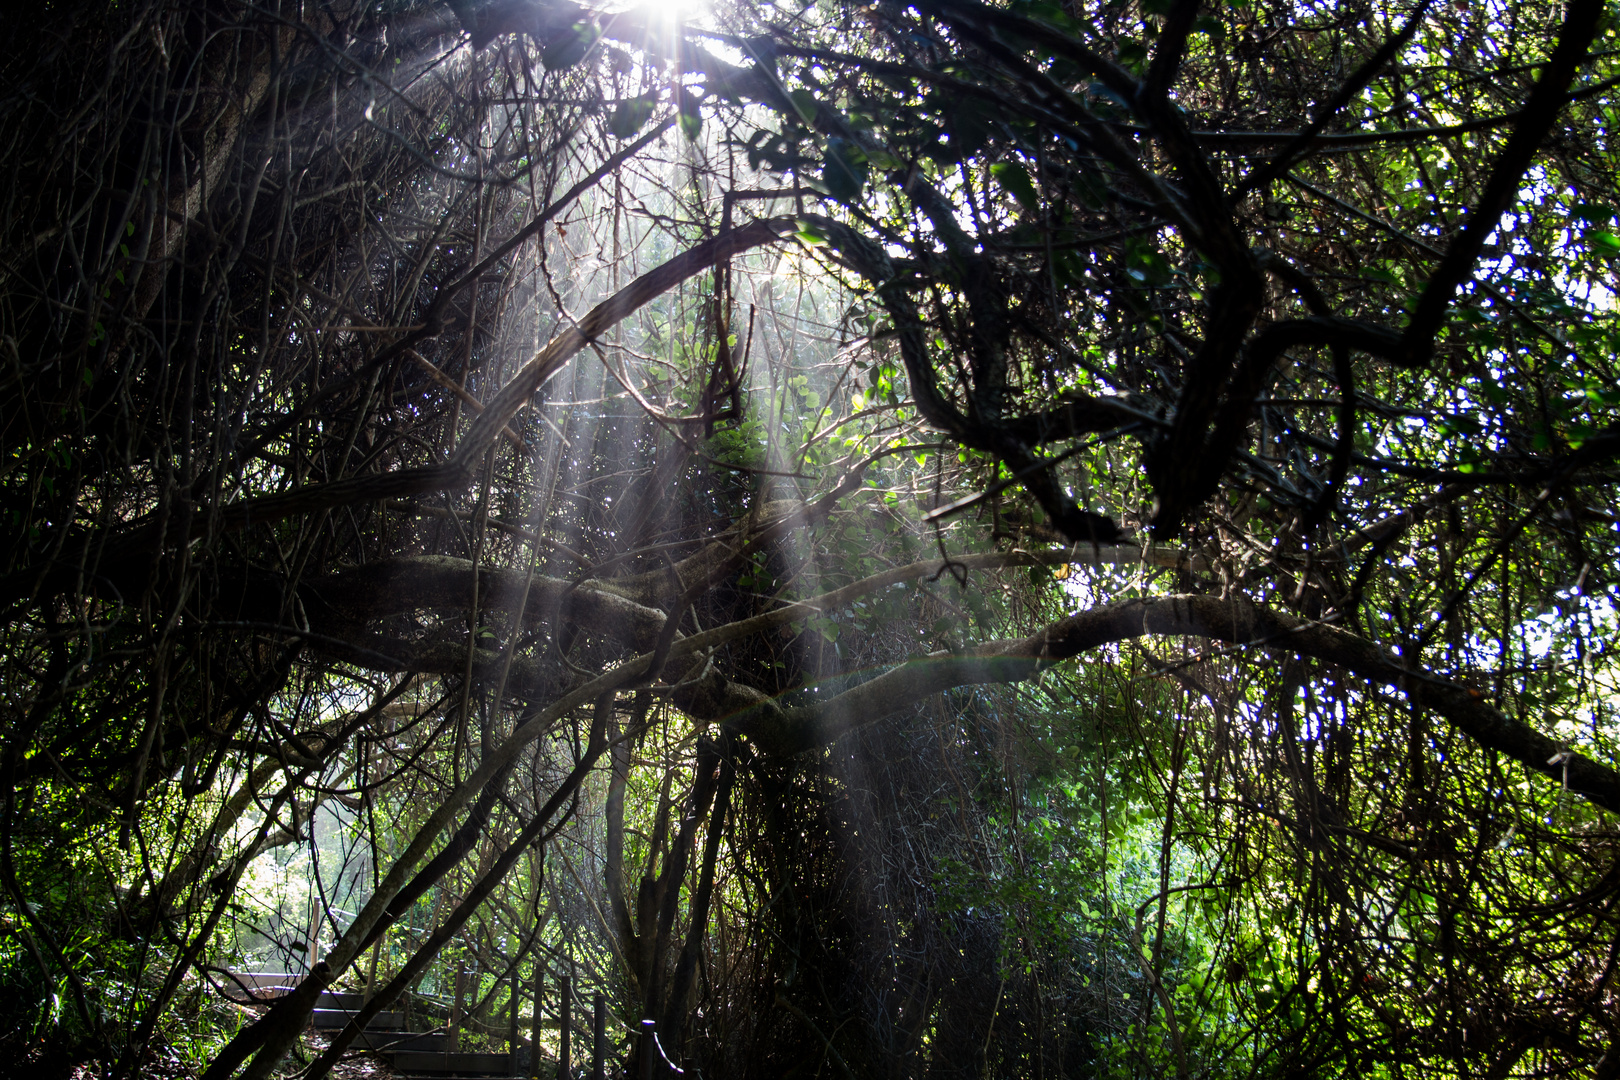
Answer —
442 583
1234 621
984 429
511 398
1082 414
1186 467
136 546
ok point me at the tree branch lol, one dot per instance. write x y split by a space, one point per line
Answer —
1507 173
1235 621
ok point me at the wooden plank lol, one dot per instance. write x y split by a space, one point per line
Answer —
263 985
401 1042
268 978
341 999
326 1019
444 1064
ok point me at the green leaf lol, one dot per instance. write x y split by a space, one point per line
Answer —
570 47
804 103
1014 178
882 159
810 235
631 116
763 51
968 120
691 122
844 170
1047 12
1585 213
1145 264
1604 244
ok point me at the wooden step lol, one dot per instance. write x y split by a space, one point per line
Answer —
326 1019
264 985
451 1064
421 1042
340 999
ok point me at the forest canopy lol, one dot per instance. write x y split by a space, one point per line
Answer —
1027 539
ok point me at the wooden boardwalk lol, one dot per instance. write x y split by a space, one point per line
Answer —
413 1055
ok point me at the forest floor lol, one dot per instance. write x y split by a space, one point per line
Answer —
354 1066
163 1063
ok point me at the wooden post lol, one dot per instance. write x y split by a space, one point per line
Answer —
314 942
565 994
648 1050
539 996
371 968
512 1021
598 1039
453 1034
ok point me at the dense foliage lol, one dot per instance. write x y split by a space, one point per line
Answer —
1031 539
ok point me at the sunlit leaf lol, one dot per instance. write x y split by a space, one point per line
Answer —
844 170
570 46
1012 176
631 115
